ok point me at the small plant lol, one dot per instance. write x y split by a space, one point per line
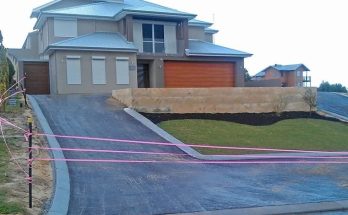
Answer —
310 98
280 104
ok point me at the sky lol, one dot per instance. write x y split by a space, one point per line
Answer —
312 32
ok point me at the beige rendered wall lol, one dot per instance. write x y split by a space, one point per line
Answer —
196 33
212 100
58 72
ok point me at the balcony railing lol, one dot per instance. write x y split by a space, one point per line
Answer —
307 79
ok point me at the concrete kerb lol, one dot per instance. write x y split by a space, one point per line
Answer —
193 153
61 192
334 115
282 209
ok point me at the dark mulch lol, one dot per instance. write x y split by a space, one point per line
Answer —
242 118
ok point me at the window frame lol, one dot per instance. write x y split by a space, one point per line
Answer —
154 41
71 80
96 80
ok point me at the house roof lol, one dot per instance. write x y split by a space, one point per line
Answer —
96 41
291 67
23 55
282 68
200 23
113 10
211 30
202 48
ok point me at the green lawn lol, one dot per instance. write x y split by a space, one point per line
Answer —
306 134
6 207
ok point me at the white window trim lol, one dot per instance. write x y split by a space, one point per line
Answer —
57 32
101 81
119 80
79 80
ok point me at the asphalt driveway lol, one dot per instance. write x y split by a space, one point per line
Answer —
105 188
332 102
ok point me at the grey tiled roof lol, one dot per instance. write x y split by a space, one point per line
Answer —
97 41
291 67
112 9
202 48
23 55
196 22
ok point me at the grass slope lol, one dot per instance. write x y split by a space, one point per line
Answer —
307 134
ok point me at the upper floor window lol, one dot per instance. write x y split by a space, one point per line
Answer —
153 38
65 27
299 73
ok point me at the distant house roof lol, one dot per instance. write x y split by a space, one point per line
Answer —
113 10
23 55
202 48
282 68
96 41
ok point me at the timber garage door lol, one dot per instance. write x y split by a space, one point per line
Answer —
180 74
37 79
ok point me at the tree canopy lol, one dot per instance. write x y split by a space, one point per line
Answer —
325 86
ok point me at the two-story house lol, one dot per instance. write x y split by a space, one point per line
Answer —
96 46
293 75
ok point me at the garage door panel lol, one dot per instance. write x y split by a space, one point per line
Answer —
198 74
37 78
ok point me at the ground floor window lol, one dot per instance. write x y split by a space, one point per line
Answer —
73 70
98 70
122 70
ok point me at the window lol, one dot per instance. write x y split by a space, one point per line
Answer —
122 70
153 38
299 73
73 70
98 70
65 28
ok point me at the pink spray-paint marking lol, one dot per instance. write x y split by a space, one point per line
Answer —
190 162
185 145
183 154
107 151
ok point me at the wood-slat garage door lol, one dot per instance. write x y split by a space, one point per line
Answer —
198 74
37 79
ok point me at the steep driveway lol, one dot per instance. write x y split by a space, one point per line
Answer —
104 188
334 103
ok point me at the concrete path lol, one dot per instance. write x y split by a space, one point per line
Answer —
334 103
170 188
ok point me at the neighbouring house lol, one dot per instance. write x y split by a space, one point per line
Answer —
294 75
96 46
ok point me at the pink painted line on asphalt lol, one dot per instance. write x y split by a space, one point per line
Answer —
185 145
109 151
183 154
191 162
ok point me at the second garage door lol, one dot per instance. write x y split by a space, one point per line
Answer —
37 78
198 74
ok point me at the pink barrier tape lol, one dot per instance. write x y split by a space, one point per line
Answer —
17 82
192 162
18 92
108 151
183 154
11 124
10 152
185 145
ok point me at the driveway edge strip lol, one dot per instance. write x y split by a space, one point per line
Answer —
334 115
61 192
281 209
195 154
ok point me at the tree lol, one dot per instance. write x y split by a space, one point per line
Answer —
325 86
310 98
4 77
247 77
11 71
